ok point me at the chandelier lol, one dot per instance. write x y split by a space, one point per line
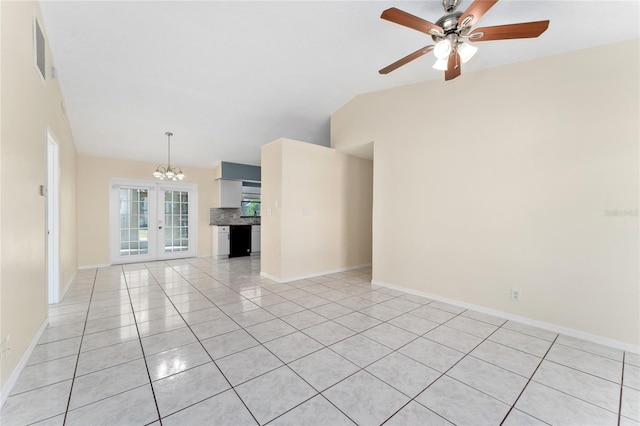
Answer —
169 173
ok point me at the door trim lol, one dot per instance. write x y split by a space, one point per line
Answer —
53 219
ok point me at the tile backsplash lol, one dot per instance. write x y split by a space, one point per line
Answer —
230 217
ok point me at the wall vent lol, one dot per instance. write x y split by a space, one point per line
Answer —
39 48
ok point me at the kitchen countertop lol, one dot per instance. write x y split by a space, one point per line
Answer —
238 221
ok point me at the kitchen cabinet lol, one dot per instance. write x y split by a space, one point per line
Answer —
255 239
220 242
229 193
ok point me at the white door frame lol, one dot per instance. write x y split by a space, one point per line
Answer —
156 219
52 192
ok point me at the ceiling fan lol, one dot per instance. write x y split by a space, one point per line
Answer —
451 32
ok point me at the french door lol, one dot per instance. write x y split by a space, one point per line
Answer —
152 221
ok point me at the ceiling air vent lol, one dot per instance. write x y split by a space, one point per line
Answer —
39 48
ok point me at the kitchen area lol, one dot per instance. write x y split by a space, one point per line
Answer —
235 217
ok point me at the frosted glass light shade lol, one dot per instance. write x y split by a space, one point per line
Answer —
442 49
466 52
441 64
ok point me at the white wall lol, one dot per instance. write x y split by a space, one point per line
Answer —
505 178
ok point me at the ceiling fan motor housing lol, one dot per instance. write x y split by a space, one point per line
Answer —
449 23
450 5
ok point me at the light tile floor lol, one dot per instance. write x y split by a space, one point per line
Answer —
197 341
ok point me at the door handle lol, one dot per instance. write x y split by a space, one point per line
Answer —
159 227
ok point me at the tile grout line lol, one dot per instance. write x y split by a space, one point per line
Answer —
75 370
201 345
144 357
624 354
584 351
446 371
325 346
587 373
285 364
237 286
529 381
356 333
226 286
331 319
360 369
469 354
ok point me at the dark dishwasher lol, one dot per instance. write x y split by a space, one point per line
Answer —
240 237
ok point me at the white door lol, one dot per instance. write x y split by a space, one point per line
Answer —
152 221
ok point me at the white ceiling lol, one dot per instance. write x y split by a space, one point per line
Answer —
226 77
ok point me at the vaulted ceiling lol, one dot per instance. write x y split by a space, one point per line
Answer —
229 76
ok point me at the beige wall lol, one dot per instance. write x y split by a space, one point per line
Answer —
271 220
30 107
504 178
323 218
94 174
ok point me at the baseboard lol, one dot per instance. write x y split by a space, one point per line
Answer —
67 287
8 387
101 265
315 274
524 320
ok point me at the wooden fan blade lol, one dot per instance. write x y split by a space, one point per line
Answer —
453 67
408 20
475 11
511 31
397 64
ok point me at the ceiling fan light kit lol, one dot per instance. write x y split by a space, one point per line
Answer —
441 64
442 49
466 52
451 32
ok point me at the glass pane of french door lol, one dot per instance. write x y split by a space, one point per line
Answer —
176 221
134 221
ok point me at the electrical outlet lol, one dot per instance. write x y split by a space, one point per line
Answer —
516 295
